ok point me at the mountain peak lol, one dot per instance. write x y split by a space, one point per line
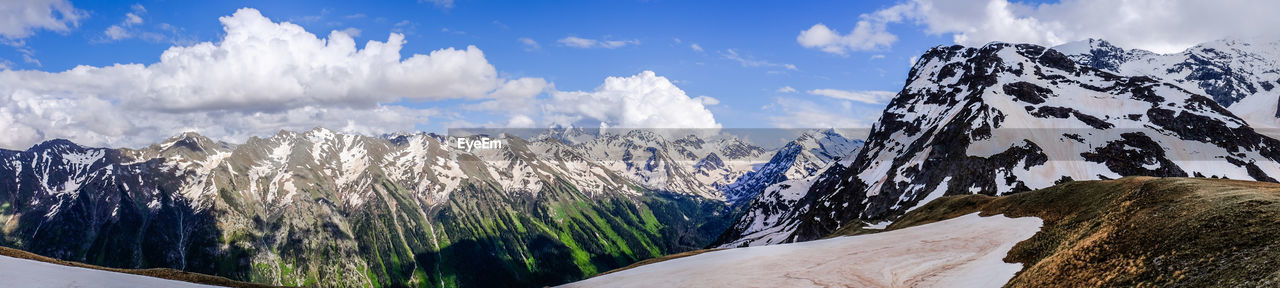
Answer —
55 144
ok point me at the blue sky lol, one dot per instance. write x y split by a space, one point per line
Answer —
757 31
840 59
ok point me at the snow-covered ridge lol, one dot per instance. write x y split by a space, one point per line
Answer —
774 193
1006 118
966 251
276 171
799 159
1241 75
35 274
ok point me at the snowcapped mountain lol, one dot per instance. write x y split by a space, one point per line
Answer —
686 164
1239 75
798 159
1006 118
776 188
348 210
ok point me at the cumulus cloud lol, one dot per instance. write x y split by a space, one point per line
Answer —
695 47
577 42
644 100
520 121
869 97
262 77
1160 26
351 31
20 19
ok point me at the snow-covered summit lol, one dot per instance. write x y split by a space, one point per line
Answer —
1005 118
1241 75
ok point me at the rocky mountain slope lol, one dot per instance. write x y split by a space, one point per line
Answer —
798 159
1007 118
1240 75
781 183
321 207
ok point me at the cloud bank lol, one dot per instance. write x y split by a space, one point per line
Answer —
262 77
265 76
1159 26
644 100
22 18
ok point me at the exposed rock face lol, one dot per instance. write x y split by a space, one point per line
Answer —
1006 118
1239 75
771 194
322 207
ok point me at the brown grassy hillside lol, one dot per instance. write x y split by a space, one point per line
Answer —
1137 232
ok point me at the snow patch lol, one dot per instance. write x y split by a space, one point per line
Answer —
35 274
966 251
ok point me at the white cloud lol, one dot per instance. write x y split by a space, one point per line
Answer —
752 62
695 47
520 121
868 34
351 31
124 30
529 44
20 19
115 32
869 97
577 42
261 77
707 100
1160 26
786 89
645 100
132 19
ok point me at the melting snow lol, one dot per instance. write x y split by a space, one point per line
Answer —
966 251
35 274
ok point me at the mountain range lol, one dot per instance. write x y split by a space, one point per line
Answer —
1007 118
322 207
326 208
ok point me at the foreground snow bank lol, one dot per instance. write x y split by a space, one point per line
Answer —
966 251
17 272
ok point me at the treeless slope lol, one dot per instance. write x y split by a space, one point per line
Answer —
164 273
1137 231
965 251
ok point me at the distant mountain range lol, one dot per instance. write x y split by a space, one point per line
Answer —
321 207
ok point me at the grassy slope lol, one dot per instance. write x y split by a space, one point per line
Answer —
165 273
1137 231
487 238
